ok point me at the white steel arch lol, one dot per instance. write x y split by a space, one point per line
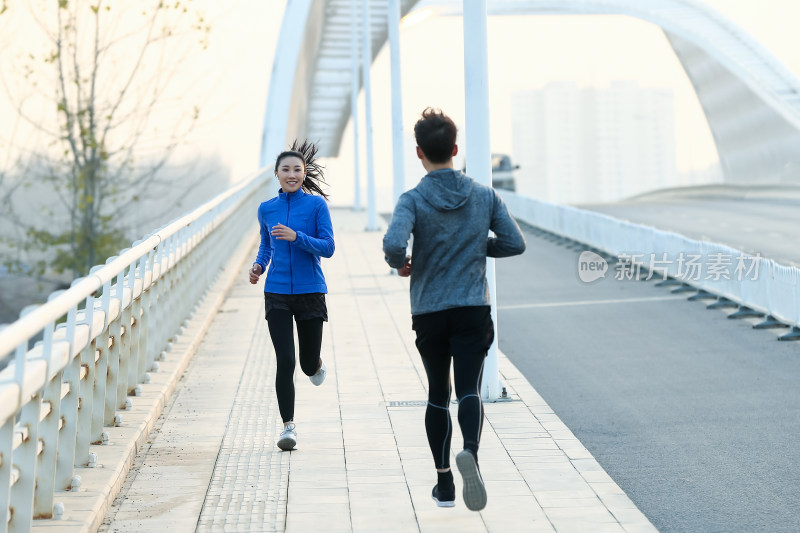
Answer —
751 101
310 86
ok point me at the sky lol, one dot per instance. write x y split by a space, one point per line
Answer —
230 79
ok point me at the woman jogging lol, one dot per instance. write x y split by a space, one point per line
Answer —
296 231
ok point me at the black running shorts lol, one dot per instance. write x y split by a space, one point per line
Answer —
302 306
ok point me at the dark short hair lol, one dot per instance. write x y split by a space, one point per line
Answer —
436 134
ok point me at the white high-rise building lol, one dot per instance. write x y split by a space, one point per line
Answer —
583 145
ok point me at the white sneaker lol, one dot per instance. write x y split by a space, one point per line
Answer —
320 374
288 438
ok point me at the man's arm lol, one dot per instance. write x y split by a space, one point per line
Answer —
508 239
395 242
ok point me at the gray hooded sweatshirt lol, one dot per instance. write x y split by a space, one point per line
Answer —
450 216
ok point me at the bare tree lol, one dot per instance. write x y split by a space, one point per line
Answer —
100 97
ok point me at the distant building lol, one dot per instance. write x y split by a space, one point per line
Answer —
581 145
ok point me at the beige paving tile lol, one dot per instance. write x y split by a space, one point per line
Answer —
362 461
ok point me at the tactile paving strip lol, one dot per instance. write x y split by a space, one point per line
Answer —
248 489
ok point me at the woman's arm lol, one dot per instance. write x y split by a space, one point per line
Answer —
321 245
265 248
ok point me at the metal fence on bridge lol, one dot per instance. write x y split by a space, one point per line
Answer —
100 339
756 285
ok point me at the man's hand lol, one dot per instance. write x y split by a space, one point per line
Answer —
405 271
283 233
254 273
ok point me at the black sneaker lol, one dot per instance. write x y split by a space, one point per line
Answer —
444 498
474 491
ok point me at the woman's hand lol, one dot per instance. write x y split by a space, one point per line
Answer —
254 273
283 233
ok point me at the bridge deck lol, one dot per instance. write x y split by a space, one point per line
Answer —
362 462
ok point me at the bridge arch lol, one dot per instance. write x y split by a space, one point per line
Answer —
750 100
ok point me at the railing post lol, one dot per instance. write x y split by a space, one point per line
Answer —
148 356
138 351
21 504
131 336
154 329
185 268
48 436
167 286
6 461
124 341
153 351
48 430
164 282
67 436
177 286
87 387
191 290
101 373
114 359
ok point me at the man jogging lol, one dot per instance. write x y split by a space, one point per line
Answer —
450 216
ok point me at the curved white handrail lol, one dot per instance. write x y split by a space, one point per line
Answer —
57 395
31 324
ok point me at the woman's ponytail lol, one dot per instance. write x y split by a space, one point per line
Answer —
315 177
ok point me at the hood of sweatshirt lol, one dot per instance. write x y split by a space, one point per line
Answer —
445 189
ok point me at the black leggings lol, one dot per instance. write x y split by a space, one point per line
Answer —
467 371
464 335
309 336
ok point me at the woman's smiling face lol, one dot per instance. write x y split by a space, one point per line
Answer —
291 171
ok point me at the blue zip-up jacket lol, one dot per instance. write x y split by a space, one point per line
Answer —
294 266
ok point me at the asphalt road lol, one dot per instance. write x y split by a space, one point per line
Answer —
695 416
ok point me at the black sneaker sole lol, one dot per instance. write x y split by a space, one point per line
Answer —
474 491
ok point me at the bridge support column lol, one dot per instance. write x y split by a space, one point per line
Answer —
478 150
366 64
399 185
354 105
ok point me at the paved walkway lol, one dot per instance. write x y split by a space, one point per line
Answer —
362 462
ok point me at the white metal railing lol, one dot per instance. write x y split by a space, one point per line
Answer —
751 282
100 338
